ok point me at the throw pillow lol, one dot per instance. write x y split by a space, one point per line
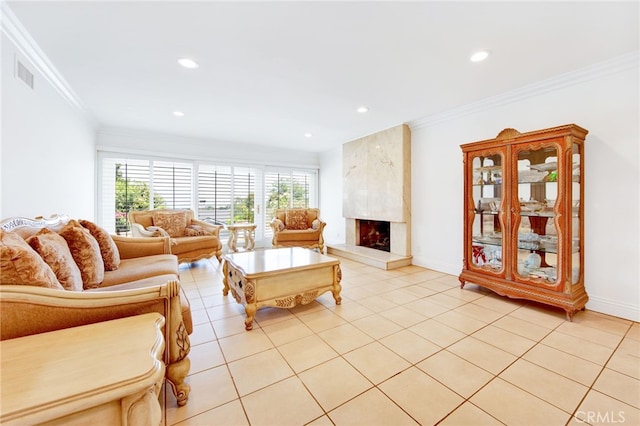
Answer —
157 232
21 265
86 253
315 224
54 250
172 222
297 219
108 249
279 224
196 231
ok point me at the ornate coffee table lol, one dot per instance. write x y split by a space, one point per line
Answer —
282 278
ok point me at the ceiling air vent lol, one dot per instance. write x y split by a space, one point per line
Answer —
24 74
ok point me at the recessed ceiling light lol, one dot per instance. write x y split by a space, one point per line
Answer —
479 56
308 135
362 109
178 113
188 63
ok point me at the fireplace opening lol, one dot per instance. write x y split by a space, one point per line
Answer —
375 234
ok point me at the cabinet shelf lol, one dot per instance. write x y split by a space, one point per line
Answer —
526 249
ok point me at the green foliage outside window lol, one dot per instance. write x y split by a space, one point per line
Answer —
132 195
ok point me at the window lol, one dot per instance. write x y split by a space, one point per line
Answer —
221 194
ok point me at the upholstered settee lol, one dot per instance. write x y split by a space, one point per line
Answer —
191 239
298 228
48 281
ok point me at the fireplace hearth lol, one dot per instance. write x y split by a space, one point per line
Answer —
375 234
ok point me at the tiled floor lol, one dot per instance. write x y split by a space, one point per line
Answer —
406 346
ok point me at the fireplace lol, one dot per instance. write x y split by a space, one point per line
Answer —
375 234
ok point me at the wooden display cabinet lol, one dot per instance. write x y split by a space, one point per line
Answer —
523 216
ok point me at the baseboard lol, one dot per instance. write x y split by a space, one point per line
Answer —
614 308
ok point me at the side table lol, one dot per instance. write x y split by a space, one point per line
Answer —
248 231
104 373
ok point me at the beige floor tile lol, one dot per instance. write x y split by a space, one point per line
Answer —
437 285
226 311
286 331
437 332
619 386
634 332
557 390
345 338
351 311
469 415
402 316
229 326
505 340
205 356
258 371
269 315
377 326
457 374
447 301
410 346
482 354
478 312
498 303
202 333
513 406
422 397
209 389
400 296
522 328
426 275
576 346
321 421
355 293
547 317
600 409
334 382
376 362
199 317
284 403
314 306
567 365
377 303
322 320
460 322
590 334
244 344
370 408
307 352
418 291
626 358
603 322
449 280
426 308
229 414
466 294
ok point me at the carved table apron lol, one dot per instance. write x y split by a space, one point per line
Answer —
282 278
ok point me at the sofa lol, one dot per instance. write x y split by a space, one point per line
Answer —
191 239
298 228
51 278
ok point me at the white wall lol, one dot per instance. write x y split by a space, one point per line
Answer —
47 145
331 196
606 105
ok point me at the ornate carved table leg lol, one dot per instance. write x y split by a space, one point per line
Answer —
337 288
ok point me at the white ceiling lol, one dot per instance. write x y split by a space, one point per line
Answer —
272 71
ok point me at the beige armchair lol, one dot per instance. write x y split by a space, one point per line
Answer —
191 239
298 228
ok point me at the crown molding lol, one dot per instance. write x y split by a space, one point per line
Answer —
591 72
18 34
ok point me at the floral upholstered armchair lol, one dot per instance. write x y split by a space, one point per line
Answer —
191 239
298 228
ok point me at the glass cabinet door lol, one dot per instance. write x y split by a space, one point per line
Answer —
576 226
537 195
486 231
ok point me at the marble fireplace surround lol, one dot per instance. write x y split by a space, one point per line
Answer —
377 185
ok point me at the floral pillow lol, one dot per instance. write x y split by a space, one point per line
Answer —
54 250
196 231
297 219
86 253
108 249
172 222
21 265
